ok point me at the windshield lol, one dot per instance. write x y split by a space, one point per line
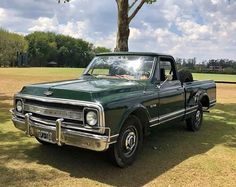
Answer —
123 67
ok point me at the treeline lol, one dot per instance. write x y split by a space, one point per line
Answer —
45 49
208 66
10 44
51 49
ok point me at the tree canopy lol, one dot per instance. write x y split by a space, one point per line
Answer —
65 50
40 48
10 45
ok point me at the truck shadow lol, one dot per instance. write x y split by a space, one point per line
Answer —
165 148
5 105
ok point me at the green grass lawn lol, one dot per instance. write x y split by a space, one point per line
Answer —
171 156
76 72
181 158
215 77
37 72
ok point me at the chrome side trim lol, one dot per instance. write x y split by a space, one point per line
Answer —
175 116
191 108
166 115
172 114
88 104
154 119
112 142
212 103
187 113
166 120
114 136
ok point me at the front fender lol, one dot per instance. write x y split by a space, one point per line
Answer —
136 109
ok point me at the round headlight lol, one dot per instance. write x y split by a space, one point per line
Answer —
19 106
91 118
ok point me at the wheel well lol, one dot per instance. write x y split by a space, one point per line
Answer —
205 101
142 116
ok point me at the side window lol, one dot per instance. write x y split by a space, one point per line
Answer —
167 68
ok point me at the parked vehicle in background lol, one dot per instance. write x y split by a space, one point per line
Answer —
114 104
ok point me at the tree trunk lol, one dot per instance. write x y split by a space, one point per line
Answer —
123 26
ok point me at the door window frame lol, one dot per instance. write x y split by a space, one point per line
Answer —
170 59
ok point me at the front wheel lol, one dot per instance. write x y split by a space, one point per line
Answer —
194 123
129 142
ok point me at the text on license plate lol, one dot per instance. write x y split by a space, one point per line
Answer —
44 135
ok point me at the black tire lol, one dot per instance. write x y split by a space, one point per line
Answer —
185 76
194 123
42 142
129 142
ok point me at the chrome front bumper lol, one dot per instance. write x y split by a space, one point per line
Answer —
62 135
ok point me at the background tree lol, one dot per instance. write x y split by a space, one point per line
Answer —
67 51
127 10
42 48
101 50
10 45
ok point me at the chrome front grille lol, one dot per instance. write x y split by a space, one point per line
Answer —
46 111
54 112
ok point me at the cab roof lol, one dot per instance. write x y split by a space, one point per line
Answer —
133 53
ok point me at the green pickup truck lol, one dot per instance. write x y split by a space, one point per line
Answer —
114 104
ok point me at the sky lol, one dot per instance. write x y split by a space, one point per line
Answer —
204 29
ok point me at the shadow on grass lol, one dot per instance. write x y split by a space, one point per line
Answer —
173 145
25 174
4 107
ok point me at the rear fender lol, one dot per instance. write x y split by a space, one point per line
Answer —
202 97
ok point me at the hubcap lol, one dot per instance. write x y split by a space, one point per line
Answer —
130 141
197 118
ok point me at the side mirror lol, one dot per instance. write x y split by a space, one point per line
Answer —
168 78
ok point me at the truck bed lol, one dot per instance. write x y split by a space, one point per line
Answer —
206 86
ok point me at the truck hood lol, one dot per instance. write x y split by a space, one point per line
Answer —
85 89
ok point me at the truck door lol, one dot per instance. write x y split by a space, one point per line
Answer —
171 97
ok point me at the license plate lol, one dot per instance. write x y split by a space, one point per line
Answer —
45 136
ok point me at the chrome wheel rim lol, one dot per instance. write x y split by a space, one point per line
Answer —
130 141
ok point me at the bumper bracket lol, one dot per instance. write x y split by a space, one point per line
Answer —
58 131
27 123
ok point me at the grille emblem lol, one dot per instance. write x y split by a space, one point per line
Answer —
48 93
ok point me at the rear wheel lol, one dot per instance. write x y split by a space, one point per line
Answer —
194 123
129 142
